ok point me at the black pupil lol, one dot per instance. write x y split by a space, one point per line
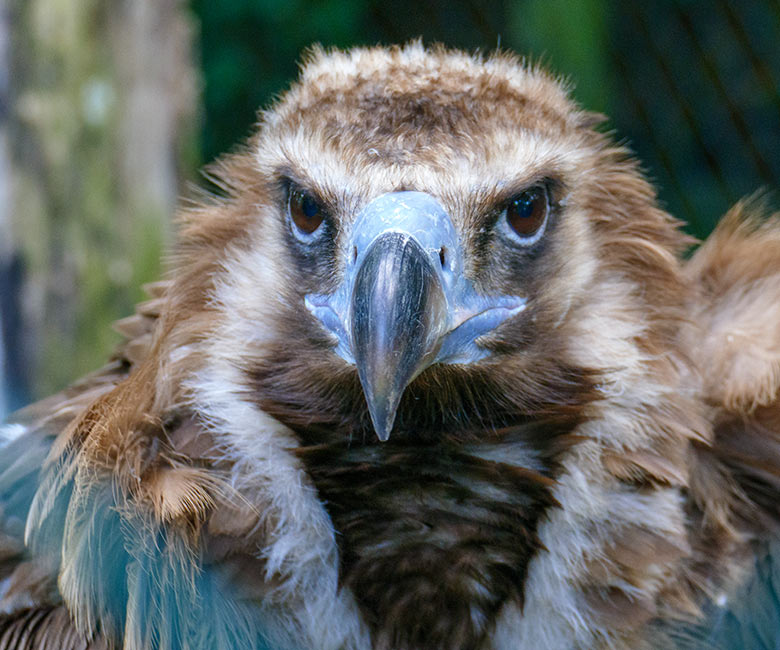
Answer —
306 212
309 206
525 213
524 206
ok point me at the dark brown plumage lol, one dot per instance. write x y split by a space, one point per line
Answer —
584 429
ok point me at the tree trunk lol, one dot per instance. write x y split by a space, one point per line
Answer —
105 107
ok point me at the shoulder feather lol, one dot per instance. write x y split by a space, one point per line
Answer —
737 273
735 480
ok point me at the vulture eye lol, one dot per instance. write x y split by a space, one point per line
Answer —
305 212
525 215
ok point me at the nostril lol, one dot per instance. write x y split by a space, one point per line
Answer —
443 256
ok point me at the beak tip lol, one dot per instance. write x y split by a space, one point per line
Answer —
382 413
383 423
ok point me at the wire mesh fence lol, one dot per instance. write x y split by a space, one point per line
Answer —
701 99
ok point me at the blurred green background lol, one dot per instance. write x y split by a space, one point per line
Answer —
109 107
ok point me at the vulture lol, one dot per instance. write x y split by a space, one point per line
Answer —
431 371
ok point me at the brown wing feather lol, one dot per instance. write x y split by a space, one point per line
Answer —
30 613
735 481
738 274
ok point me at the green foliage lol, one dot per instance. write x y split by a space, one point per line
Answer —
571 38
250 51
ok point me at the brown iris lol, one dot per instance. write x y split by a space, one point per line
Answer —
305 211
526 213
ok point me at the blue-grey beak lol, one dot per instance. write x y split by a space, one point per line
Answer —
404 303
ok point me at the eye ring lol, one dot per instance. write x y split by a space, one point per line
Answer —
306 214
524 216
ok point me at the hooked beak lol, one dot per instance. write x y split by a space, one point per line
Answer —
404 303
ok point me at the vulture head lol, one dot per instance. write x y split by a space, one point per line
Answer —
430 372
428 238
